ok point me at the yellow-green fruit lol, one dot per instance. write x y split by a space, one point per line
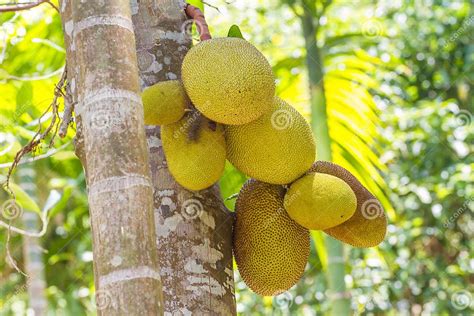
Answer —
320 201
368 226
164 102
194 164
228 80
277 148
270 249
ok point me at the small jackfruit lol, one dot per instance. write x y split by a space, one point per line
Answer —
228 80
277 148
368 226
270 249
319 201
165 102
198 163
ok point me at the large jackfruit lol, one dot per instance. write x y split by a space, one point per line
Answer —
368 226
228 80
197 162
277 148
270 249
319 201
165 102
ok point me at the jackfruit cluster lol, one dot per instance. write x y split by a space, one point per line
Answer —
272 223
225 108
228 83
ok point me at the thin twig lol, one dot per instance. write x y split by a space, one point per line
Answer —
39 136
44 222
36 158
10 259
67 114
14 7
211 6
200 20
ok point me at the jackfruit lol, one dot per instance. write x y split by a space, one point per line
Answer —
368 226
270 249
277 148
165 102
195 164
228 80
319 201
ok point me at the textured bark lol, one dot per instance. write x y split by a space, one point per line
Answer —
32 250
194 229
103 74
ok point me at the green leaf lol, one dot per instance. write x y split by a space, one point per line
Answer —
24 99
197 3
24 200
234 31
318 239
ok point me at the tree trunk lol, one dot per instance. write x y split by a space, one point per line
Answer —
103 78
32 250
194 229
335 251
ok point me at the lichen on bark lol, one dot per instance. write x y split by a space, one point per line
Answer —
194 229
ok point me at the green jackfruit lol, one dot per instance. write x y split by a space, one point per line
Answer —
198 163
277 148
319 201
270 249
164 103
368 226
228 80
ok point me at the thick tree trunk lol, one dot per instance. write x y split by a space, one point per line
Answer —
103 77
32 250
335 250
194 229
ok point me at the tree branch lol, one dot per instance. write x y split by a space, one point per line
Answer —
14 7
67 114
200 20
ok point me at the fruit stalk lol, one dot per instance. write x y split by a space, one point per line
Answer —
198 16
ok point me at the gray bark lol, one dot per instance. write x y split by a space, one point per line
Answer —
103 77
194 229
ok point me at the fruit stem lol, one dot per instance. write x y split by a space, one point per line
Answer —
200 20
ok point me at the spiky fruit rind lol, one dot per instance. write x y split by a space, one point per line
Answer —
194 164
277 148
319 201
164 103
270 249
228 80
368 226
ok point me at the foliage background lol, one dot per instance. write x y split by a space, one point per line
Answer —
399 85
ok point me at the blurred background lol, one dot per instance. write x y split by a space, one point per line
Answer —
398 84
